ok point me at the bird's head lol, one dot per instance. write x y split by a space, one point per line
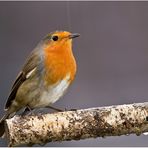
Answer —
59 40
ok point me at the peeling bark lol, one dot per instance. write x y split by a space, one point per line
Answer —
75 125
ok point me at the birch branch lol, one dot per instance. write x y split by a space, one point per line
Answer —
75 125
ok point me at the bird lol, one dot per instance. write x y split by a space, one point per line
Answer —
47 73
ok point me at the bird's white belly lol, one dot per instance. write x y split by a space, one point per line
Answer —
53 93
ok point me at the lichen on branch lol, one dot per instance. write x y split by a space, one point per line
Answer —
75 125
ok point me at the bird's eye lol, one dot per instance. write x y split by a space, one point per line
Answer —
55 38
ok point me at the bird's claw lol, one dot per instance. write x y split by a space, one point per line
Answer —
73 109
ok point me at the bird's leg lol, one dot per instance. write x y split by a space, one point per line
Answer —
73 109
60 110
53 108
28 111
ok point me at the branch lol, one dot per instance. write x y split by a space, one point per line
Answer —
76 125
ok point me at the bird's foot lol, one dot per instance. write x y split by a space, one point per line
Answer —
60 110
53 108
73 109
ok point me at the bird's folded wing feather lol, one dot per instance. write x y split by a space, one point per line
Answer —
27 71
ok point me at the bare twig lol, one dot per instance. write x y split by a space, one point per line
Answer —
76 125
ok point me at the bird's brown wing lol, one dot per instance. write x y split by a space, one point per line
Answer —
20 79
32 62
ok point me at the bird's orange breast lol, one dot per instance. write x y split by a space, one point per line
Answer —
59 62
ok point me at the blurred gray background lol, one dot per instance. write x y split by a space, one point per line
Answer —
112 53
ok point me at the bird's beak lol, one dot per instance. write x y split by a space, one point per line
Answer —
73 35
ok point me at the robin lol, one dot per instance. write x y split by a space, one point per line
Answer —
46 75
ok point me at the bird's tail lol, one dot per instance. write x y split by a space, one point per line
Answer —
2 121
